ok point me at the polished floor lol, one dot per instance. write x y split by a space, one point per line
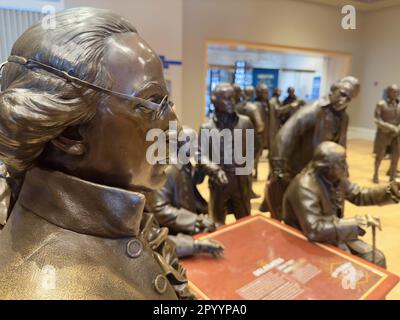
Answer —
361 163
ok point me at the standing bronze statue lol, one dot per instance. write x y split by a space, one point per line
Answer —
291 96
245 106
249 93
387 119
274 123
234 196
296 141
314 203
76 105
262 102
279 113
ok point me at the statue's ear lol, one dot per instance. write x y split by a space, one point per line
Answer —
69 146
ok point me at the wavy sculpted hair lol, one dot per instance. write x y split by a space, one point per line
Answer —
37 106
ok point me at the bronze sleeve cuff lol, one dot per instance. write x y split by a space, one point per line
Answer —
346 229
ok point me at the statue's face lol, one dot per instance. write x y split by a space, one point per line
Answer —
115 138
262 93
223 99
340 97
249 92
339 169
393 93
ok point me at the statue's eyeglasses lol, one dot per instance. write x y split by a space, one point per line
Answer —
31 64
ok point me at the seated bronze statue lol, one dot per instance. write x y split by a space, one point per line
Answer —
314 203
75 107
179 206
296 141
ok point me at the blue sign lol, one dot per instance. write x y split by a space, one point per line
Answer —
166 63
268 76
316 88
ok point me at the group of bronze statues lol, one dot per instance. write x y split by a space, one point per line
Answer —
86 216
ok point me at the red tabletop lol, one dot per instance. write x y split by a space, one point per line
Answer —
267 260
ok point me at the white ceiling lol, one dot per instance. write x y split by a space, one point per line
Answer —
363 5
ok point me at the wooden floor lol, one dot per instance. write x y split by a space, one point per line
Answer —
361 163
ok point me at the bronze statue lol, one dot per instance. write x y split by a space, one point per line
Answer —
262 103
75 108
290 106
314 203
249 93
274 123
387 119
291 96
296 141
234 196
245 106
179 206
280 113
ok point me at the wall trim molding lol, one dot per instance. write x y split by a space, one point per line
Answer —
361 133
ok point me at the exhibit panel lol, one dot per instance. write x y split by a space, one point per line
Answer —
282 265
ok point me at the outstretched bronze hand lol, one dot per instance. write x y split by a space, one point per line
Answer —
213 247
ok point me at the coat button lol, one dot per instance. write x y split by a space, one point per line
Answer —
134 248
160 284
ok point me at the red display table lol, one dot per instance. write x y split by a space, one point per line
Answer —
267 260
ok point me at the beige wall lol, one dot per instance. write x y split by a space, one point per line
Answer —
380 45
305 25
159 22
180 28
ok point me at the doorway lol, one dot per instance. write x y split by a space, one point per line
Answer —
309 71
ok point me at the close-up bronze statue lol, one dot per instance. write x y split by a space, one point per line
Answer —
314 203
296 141
387 120
233 196
75 107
